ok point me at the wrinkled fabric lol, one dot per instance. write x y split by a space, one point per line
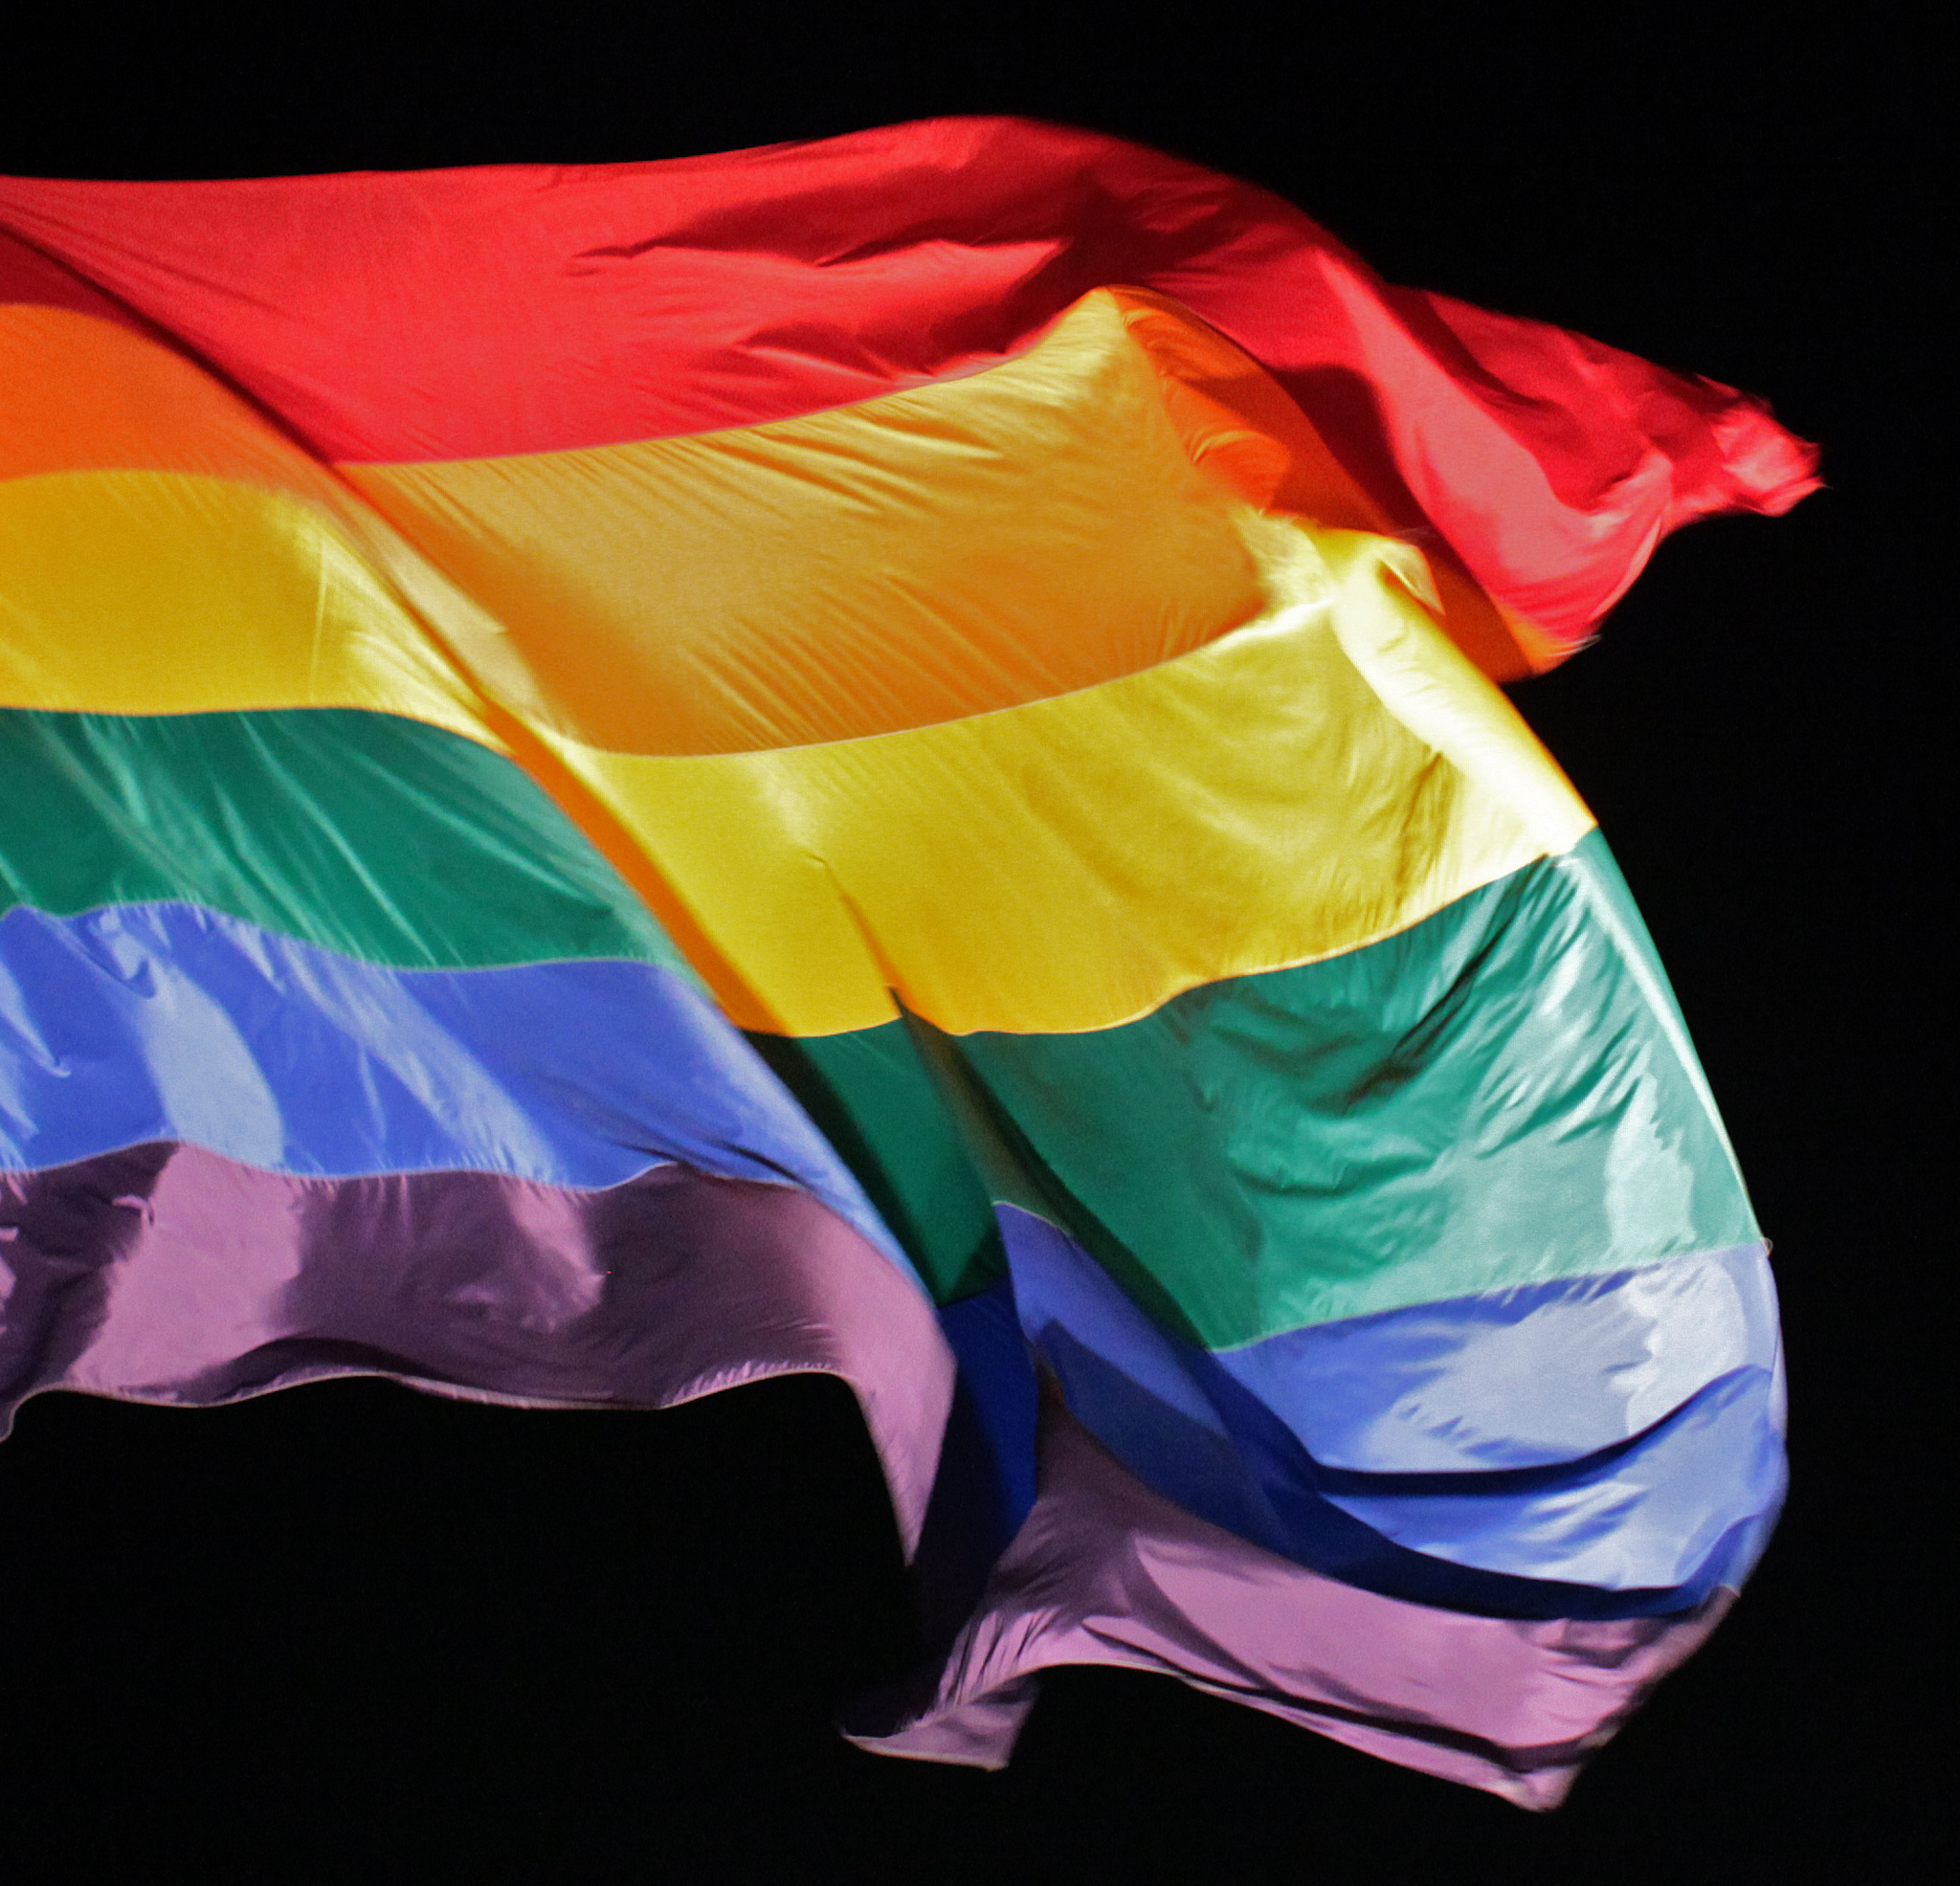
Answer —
1107 1572
883 757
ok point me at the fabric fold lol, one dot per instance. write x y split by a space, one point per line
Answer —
1105 1572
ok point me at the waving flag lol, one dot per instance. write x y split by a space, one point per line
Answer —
882 755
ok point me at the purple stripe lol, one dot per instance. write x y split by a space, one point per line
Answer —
166 1274
1107 1572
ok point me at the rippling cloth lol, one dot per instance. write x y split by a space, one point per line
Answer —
882 756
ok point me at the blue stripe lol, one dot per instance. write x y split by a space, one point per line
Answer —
1648 1523
997 1374
168 1021
987 1464
1524 1377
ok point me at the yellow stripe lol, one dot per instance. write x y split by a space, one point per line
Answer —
1325 775
166 592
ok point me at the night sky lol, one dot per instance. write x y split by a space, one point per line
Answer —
351 1633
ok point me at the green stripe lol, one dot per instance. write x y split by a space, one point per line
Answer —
1502 1093
380 837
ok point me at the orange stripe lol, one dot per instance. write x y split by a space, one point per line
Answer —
968 546
81 394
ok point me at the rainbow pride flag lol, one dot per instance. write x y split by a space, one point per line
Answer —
882 756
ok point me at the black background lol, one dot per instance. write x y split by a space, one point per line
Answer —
355 1634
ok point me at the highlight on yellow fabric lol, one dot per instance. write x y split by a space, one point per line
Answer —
1327 774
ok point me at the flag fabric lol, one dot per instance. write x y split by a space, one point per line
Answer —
884 757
